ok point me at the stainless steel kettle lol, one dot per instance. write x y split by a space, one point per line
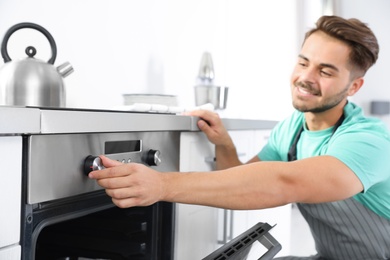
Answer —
29 81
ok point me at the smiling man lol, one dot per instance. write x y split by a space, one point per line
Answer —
327 156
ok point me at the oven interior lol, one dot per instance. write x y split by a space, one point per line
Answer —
109 234
99 232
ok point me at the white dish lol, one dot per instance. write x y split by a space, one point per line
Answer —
157 108
158 99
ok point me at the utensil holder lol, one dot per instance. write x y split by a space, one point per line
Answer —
216 95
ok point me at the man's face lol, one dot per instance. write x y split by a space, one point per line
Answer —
321 77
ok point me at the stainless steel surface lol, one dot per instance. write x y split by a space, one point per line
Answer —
65 69
16 121
97 164
205 90
29 81
216 95
248 124
57 188
57 121
63 121
228 220
206 69
92 163
55 162
34 120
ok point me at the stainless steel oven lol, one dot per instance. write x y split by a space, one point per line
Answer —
66 215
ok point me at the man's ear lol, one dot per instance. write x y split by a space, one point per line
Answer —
355 86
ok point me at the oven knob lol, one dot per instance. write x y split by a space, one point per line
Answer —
153 157
92 163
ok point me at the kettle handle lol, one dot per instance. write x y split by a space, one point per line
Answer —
18 26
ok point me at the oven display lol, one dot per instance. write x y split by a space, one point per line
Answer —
114 147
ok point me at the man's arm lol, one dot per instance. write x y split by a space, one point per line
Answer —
225 151
251 186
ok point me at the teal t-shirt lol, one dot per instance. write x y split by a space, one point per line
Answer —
361 143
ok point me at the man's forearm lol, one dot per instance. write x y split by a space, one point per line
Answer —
226 156
235 188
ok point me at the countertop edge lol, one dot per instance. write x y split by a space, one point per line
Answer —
18 120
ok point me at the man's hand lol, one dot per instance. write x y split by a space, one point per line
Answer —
130 184
211 124
225 151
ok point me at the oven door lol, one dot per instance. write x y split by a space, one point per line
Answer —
66 215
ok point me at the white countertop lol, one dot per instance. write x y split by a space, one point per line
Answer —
15 120
19 120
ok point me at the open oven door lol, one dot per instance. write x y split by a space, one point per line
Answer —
245 246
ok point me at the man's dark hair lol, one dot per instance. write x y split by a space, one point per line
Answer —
362 41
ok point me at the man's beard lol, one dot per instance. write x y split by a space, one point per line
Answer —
327 103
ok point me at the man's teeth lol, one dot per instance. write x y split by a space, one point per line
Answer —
305 91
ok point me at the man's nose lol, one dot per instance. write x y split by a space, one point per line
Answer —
308 75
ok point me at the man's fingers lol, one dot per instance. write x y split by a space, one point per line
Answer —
107 162
120 171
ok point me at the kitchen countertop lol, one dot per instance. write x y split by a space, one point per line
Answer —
16 120
30 120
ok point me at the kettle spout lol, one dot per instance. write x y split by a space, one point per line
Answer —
65 69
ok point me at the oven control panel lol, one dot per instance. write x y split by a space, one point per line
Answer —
58 165
151 158
92 163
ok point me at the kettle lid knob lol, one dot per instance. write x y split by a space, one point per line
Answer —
31 51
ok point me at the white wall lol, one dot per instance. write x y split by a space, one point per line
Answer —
155 46
130 46
376 14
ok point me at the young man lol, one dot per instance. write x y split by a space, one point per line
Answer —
327 156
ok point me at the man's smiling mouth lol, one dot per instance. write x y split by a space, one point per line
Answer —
306 89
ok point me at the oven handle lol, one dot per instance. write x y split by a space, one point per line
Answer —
227 224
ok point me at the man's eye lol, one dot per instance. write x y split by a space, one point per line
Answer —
302 64
325 73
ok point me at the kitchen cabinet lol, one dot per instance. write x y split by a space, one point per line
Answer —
203 229
248 144
199 229
10 253
10 196
196 230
